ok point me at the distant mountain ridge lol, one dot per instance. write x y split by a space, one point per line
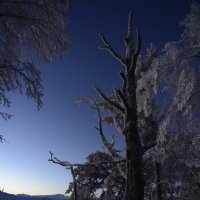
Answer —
7 196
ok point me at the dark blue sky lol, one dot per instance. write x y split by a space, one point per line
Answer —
62 126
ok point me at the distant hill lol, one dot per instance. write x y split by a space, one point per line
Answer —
7 196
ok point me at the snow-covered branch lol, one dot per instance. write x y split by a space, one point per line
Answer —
112 103
67 164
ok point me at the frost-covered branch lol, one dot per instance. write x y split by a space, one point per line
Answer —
67 164
29 29
21 72
112 103
124 79
122 99
57 161
108 146
107 46
22 77
149 146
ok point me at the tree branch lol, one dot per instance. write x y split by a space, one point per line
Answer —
68 164
123 99
112 103
107 46
113 141
137 50
19 71
129 38
108 146
149 146
124 79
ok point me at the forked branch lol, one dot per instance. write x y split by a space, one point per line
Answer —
110 102
107 46
108 146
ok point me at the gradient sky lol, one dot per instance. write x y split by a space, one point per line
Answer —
62 126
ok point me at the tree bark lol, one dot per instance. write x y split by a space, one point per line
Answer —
75 194
134 150
158 193
128 108
135 182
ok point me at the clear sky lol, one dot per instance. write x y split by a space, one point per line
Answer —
62 126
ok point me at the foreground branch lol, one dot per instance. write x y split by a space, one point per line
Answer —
68 164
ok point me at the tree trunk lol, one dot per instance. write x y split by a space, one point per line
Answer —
158 192
75 194
135 182
134 150
127 105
